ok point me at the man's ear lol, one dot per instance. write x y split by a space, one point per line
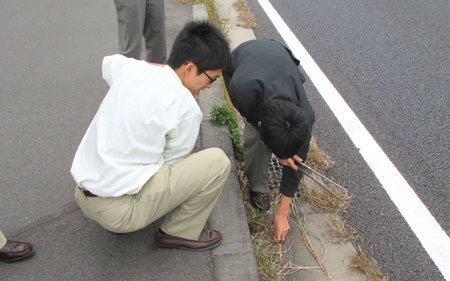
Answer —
189 68
259 123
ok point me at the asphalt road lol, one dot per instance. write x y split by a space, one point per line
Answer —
50 88
390 62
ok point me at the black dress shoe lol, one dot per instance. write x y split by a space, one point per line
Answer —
15 251
209 239
260 200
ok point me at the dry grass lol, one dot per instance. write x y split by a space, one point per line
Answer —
191 2
324 201
367 265
333 199
270 256
272 260
246 17
212 14
342 231
317 158
303 233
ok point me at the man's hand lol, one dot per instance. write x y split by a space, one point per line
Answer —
280 227
290 162
281 222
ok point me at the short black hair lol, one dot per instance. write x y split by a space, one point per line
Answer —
284 127
201 43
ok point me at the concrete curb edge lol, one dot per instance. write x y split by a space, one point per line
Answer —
234 259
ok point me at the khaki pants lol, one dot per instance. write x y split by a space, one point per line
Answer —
2 240
256 158
186 191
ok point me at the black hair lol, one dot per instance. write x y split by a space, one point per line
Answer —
201 43
284 127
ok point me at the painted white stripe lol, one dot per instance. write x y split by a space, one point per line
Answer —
433 238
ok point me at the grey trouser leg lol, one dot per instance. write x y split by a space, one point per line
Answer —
2 240
155 31
256 157
142 18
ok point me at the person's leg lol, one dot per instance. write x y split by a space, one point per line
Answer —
188 190
256 158
155 31
130 19
2 240
201 179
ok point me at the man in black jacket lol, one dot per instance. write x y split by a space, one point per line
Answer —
266 87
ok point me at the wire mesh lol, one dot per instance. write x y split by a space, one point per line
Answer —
275 171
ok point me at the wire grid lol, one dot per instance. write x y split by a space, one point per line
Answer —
275 171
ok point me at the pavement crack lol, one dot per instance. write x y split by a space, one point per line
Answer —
64 211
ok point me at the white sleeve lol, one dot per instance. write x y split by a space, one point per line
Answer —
181 140
111 66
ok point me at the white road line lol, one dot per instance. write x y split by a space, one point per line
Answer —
433 238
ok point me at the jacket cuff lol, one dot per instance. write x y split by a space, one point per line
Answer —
290 181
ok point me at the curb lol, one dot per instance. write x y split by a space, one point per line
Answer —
234 259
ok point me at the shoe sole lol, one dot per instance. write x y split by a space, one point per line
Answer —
190 249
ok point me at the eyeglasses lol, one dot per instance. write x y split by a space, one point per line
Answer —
210 79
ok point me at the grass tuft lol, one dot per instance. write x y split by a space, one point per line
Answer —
191 2
317 158
271 257
367 265
212 14
342 231
246 17
222 116
324 201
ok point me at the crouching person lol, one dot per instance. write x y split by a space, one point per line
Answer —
134 163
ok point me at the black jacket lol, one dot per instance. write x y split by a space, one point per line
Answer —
261 70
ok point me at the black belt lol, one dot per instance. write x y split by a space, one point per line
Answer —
87 193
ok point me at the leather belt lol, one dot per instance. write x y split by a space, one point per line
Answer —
87 193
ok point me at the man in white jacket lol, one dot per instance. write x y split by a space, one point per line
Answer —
134 165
